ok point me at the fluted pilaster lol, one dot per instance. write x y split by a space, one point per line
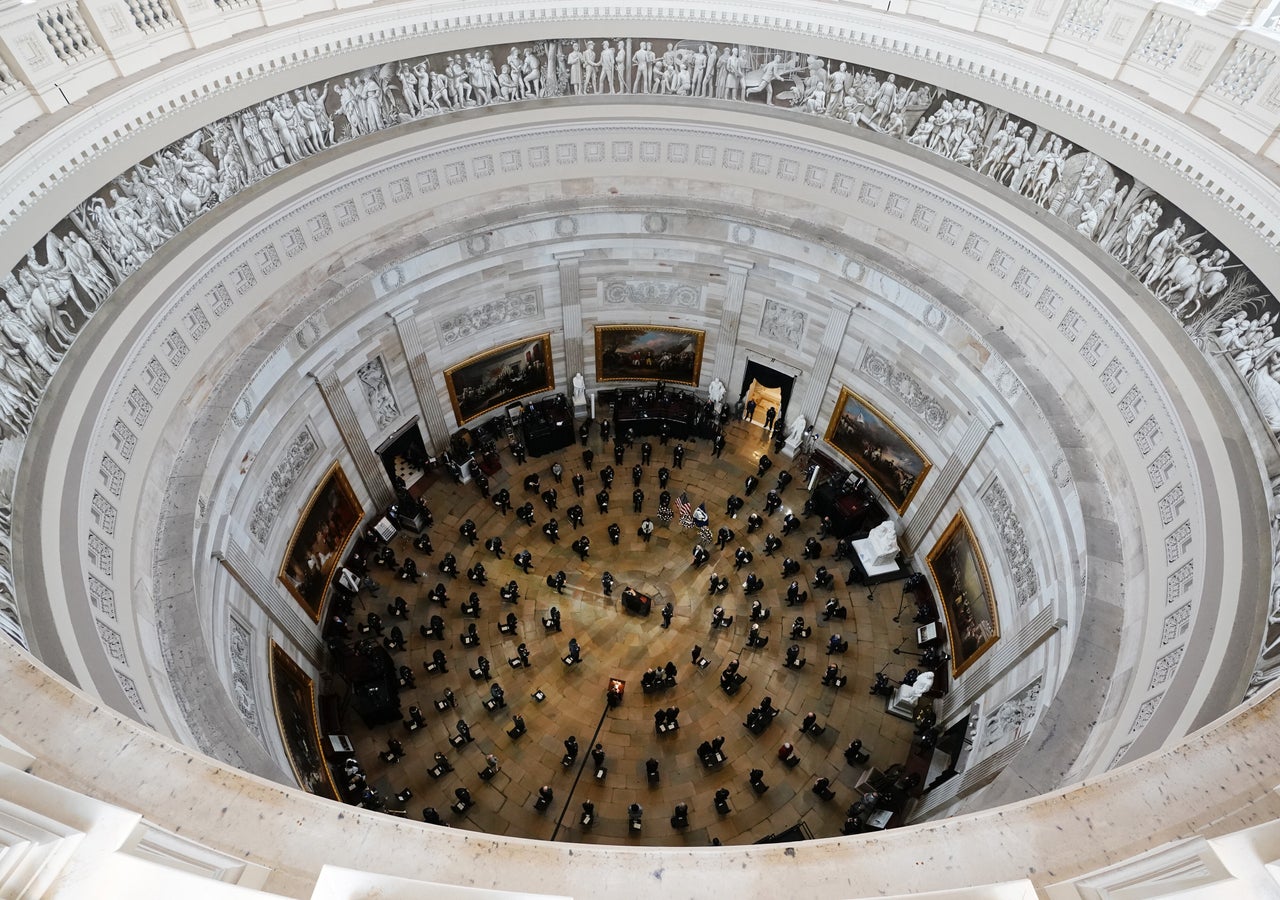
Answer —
731 316
433 420
372 474
938 489
571 312
819 377
284 612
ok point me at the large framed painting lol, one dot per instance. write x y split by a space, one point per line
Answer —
295 697
498 377
964 590
879 449
331 518
648 353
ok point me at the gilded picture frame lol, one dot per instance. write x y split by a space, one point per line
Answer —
499 377
963 585
325 528
649 353
879 449
295 705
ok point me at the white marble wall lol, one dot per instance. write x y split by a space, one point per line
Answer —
178 433
342 318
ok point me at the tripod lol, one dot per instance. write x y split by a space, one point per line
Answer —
910 586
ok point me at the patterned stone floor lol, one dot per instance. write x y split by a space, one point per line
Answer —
616 643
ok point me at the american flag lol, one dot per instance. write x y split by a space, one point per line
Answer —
683 509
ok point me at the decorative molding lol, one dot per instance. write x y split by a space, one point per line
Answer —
1164 40
655 223
1243 73
1083 18
66 31
1013 717
296 457
131 692
1006 381
242 409
10 621
782 323
647 292
1267 667
1009 9
935 318
1145 712
908 389
1165 667
102 598
111 642
377 393
309 331
517 305
242 675
1021 567
1061 472
1120 754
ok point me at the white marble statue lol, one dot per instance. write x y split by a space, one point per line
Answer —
579 388
884 541
716 392
795 431
796 434
910 693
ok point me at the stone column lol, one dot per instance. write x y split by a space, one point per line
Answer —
433 420
370 468
824 362
939 487
571 313
731 316
285 612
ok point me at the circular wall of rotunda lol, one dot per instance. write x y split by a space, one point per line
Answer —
1064 312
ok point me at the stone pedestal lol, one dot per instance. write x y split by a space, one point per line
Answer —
904 707
873 562
792 446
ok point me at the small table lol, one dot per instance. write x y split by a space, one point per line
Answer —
926 634
879 819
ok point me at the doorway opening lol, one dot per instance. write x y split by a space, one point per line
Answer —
770 389
405 455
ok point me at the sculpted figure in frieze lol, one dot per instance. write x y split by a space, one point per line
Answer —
111 234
